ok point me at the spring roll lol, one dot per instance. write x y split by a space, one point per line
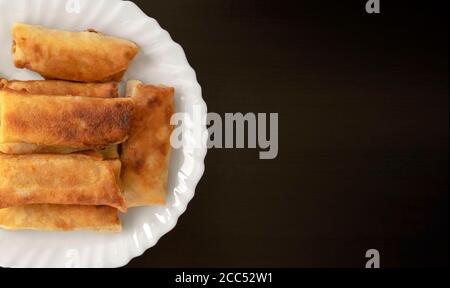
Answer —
99 90
72 123
55 87
73 179
75 56
44 217
145 155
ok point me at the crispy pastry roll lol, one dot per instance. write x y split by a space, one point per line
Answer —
73 179
63 122
145 155
60 218
75 56
55 87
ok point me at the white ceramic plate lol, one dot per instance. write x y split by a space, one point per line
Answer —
160 61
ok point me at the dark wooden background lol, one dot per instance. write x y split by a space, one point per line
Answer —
363 162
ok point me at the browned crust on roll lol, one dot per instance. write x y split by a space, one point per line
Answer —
71 122
75 56
59 179
58 88
145 155
46 217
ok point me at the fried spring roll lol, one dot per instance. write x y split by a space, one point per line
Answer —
60 218
75 56
55 87
72 123
59 179
99 90
145 155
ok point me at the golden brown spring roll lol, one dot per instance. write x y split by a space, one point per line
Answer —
145 155
75 56
60 218
78 123
55 87
73 179
48 87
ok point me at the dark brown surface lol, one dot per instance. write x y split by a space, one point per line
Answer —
363 162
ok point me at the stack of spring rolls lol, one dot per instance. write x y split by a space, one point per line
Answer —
72 152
